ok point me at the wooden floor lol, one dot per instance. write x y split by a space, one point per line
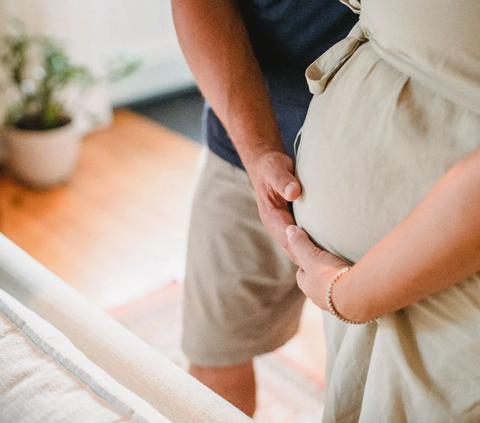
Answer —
117 229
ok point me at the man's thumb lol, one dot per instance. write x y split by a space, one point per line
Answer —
292 191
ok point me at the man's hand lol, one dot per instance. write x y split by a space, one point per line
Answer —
221 57
275 185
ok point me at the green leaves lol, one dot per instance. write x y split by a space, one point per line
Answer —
121 65
40 70
60 70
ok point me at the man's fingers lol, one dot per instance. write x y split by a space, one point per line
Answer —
276 228
292 191
300 246
290 256
301 278
276 222
282 180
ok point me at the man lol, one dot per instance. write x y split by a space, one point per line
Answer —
241 297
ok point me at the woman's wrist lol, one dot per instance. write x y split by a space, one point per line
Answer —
349 314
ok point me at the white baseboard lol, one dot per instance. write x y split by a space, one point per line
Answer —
163 71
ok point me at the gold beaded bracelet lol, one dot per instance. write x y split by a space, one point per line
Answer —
332 308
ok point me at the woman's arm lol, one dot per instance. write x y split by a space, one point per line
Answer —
433 248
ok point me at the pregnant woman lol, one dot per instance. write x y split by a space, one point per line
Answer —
389 162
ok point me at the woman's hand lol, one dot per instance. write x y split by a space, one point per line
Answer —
316 267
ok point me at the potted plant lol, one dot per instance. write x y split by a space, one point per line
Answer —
42 140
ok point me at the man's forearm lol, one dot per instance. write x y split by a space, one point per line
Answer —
217 48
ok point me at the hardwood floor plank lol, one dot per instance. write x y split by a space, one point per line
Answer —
117 229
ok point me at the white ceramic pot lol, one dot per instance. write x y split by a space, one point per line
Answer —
42 159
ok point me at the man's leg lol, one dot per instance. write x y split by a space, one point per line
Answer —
234 383
241 297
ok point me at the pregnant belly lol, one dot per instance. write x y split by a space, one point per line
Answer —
373 144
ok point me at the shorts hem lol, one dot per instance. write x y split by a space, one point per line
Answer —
223 359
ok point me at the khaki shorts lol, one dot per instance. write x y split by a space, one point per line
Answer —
241 296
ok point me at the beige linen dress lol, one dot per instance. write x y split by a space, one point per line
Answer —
395 105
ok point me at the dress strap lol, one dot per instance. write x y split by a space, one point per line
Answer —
320 72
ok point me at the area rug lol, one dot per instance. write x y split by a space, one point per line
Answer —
288 391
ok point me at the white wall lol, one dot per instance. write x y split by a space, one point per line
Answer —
93 30
96 29
145 27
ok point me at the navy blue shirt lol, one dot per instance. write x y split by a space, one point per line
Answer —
287 36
